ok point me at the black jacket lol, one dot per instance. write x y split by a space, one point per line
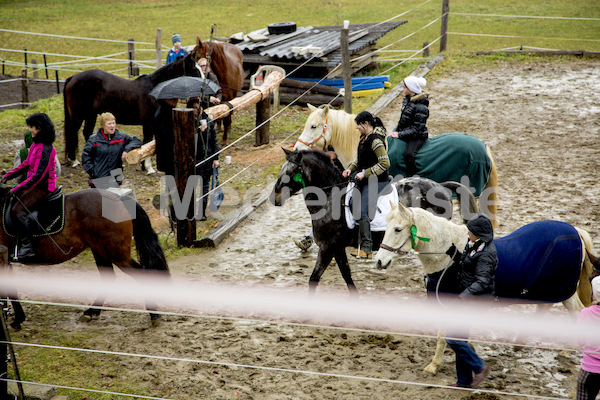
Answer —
477 268
415 111
206 148
101 154
163 135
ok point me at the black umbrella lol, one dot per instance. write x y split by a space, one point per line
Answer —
184 87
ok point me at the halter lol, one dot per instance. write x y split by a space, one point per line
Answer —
413 236
312 144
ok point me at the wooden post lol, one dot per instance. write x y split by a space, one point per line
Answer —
263 113
34 66
24 88
57 82
444 31
185 158
25 54
158 45
133 69
347 73
3 345
46 66
426 49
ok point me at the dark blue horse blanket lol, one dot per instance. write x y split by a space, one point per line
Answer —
539 261
445 157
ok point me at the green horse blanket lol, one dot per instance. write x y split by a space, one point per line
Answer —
446 157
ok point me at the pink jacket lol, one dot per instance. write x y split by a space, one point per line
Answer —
590 360
40 166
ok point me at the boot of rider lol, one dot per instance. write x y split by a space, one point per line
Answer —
25 228
366 246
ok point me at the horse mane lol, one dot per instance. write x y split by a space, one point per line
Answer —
323 161
175 69
344 137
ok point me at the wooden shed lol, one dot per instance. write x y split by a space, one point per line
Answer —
318 47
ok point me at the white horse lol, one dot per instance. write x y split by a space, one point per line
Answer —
326 127
572 276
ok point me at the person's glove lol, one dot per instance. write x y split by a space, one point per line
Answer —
452 251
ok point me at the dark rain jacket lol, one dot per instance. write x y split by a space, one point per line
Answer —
477 268
415 111
102 155
206 148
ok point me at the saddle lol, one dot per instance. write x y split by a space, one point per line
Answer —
384 207
50 214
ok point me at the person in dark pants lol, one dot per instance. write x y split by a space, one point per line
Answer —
207 148
371 166
40 169
163 136
475 270
412 124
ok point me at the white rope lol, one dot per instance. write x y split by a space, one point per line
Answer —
525 16
84 389
523 37
392 18
15 104
74 37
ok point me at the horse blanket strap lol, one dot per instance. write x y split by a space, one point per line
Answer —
539 261
50 215
445 157
312 144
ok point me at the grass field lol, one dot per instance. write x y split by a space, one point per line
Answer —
139 20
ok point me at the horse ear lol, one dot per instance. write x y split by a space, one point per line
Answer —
324 112
286 151
311 108
402 209
198 41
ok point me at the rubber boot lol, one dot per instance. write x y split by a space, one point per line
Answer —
366 246
25 228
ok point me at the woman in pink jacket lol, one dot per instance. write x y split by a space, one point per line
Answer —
588 381
39 169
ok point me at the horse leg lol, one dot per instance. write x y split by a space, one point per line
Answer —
72 139
19 316
107 274
323 259
342 261
436 363
226 128
136 271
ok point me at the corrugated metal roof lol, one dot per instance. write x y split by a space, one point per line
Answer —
326 38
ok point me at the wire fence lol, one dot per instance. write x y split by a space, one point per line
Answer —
68 63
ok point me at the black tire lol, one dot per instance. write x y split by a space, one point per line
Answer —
279 28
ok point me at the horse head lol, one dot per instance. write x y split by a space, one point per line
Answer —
315 133
397 238
291 178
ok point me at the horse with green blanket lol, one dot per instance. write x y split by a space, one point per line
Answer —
446 157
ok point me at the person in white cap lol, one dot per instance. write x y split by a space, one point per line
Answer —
588 380
412 124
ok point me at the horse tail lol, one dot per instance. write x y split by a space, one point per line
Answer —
150 253
590 267
492 206
473 206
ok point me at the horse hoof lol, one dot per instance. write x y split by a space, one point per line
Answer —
431 369
150 171
155 319
74 163
85 318
15 325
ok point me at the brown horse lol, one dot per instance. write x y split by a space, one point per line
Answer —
93 92
90 217
227 62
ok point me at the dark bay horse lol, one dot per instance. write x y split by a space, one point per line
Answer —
93 92
89 223
313 169
227 62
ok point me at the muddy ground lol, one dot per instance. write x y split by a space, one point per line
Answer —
542 122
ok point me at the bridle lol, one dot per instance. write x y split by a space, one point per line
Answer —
312 144
413 239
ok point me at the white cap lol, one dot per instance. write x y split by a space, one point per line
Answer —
414 84
596 287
